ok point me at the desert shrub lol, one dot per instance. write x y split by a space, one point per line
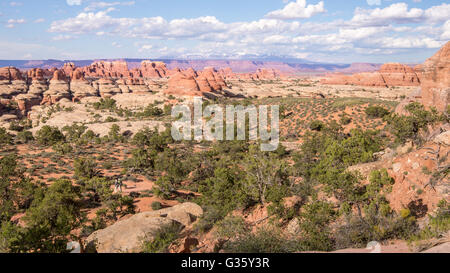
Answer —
211 215
166 186
231 227
85 168
377 112
358 231
151 111
74 132
114 134
105 104
266 176
110 119
51 219
316 125
48 135
24 137
345 120
315 229
410 127
438 224
62 148
223 191
15 126
163 238
265 240
156 205
100 187
5 137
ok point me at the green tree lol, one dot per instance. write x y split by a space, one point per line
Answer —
48 135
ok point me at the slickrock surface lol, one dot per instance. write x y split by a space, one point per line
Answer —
128 235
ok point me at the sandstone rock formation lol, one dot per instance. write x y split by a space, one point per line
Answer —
58 89
183 84
102 69
151 69
191 83
391 74
436 79
128 235
68 68
80 87
107 87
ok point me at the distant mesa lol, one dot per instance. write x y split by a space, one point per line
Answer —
390 74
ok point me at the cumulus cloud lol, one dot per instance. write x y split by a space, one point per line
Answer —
446 31
400 13
395 28
297 10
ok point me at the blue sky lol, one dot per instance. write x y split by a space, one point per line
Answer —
323 31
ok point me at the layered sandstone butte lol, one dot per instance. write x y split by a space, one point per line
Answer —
436 79
183 84
391 74
107 88
12 84
58 89
80 87
102 69
192 83
151 69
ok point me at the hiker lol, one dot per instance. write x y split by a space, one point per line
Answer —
118 185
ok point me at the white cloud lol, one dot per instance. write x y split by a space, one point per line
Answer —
377 31
374 2
297 10
400 13
74 2
40 20
101 5
446 31
11 23
408 42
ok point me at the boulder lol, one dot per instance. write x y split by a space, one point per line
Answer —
128 235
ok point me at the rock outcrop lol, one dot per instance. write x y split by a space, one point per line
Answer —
391 74
151 69
191 83
127 236
435 83
58 89
80 87
102 69
436 80
183 84
107 87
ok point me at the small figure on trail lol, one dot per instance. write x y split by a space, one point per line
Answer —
118 185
